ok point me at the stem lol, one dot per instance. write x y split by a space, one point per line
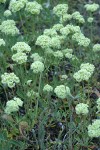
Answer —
6 94
71 120
22 23
37 104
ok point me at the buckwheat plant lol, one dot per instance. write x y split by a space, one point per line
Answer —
49 75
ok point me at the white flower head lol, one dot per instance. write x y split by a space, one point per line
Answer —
8 27
62 91
33 8
48 88
94 129
9 79
19 58
60 9
82 108
37 67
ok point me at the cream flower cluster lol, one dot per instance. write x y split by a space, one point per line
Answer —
37 67
65 31
13 105
58 54
21 47
9 79
23 1
37 57
7 13
69 29
51 39
2 42
81 39
20 58
60 9
82 108
47 88
67 53
94 129
67 50
49 51
91 7
90 19
16 6
46 42
85 72
29 82
2 1
50 32
87 66
8 27
57 27
33 94
98 104
55 42
77 16
65 17
63 77
43 41
33 8
96 48
62 91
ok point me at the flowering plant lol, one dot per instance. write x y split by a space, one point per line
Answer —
49 75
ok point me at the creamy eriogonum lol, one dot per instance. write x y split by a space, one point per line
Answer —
82 108
57 27
7 13
37 67
37 57
49 52
63 77
13 105
33 8
73 28
70 29
85 72
81 39
23 1
65 17
60 9
21 47
43 41
9 27
91 7
78 17
2 42
58 54
47 88
96 47
55 42
9 79
16 6
89 67
67 50
90 19
33 94
62 91
20 58
29 82
68 55
65 31
98 104
50 32
94 129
